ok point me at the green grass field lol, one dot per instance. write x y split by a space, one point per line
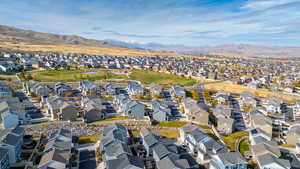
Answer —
244 146
74 75
231 139
148 77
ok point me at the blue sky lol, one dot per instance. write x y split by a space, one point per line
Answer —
188 22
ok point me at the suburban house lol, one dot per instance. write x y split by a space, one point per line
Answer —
293 135
4 158
55 159
222 97
95 108
110 89
5 90
247 99
155 89
12 140
12 113
53 105
57 152
115 151
89 88
135 88
114 146
161 111
170 156
149 140
130 107
197 113
295 107
272 104
262 122
271 161
36 88
125 161
265 151
60 109
178 91
61 139
63 89
203 146
68 112
221 118
228 160
112 134
186 129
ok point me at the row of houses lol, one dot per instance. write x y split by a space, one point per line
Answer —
11 141
60 109
208 150
166 155
57 151
129 107
114 145
96 109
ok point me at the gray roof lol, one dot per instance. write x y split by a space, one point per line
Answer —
125 162
231 158
198 135
260 139
268 159
117 149
160 150
18 130
150 139
11 139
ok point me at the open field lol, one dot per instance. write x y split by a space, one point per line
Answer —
73 75
145 77
148 77
231 139
232 88
91 50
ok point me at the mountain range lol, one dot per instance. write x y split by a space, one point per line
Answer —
227 50
16 35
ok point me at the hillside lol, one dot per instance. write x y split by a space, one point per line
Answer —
13 39
17 35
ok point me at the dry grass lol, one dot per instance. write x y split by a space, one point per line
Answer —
88 139
167 133
288 145
232 88
60 48
176 124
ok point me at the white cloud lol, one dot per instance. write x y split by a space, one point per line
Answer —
264 4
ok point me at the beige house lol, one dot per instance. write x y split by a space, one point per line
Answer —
293 136
261 122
